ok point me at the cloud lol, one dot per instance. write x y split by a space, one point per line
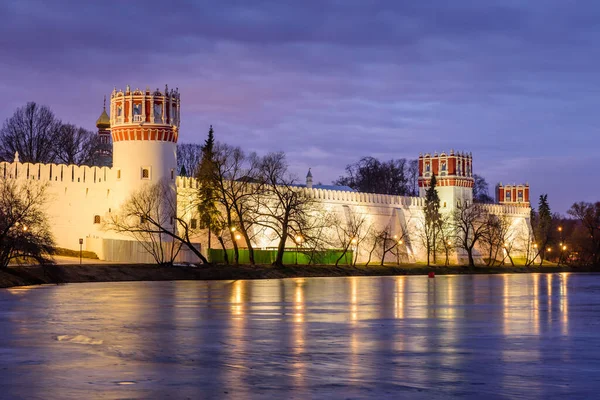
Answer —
329 81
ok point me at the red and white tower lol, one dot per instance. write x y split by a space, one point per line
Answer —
453 173
516 195
145 127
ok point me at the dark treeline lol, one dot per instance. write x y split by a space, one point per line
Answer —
40 137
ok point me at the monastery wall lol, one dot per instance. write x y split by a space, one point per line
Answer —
401 216
77 197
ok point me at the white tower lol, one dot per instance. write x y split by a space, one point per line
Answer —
144 128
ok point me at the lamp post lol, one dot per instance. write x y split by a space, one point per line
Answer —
354 242
80 249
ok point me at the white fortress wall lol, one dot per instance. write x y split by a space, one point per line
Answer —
80 197
75 196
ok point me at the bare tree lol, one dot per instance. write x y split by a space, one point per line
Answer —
150 217
446 236
77 146
238 181
33 131
189 156
24 229
371 175
351 232
497 240
471 222
588 235
283 207
412 174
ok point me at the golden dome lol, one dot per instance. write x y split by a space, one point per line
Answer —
104 121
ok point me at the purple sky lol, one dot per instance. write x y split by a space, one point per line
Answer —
514 82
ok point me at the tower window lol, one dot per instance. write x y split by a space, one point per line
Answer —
145 173
96 219
172 174
193 223
118 174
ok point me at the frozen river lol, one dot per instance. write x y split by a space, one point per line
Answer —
480 337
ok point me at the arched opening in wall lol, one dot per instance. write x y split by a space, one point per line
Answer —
444 204
193 223
118 174
145 173
96 219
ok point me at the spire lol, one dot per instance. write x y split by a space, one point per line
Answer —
309 181
16 156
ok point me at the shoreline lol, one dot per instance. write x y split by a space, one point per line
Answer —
60 274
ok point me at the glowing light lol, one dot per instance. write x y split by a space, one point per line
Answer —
238 237
560 228
24 228
399 241
298 239
354 241
535 245
233 229
564 247
395 236
549 249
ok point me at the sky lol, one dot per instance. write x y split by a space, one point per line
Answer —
330 81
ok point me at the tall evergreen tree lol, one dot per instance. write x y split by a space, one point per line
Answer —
543 223
432 218
207 208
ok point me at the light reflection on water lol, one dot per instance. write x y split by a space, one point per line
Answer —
473 336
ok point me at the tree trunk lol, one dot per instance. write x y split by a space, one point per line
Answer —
341 256
471 260
281 246
225 256
236 253
280 251
250 248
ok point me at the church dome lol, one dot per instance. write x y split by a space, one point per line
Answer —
104 121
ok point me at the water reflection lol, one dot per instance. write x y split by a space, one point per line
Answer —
452 335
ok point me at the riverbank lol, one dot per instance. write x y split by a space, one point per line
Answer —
57 274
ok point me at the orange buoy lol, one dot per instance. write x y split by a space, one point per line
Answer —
432 274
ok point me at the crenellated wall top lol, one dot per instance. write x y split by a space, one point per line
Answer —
334 195
54 172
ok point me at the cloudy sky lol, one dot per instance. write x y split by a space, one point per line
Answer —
514 82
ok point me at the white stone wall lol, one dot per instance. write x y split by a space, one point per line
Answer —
76 194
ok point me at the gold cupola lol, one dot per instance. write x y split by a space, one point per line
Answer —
103 123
